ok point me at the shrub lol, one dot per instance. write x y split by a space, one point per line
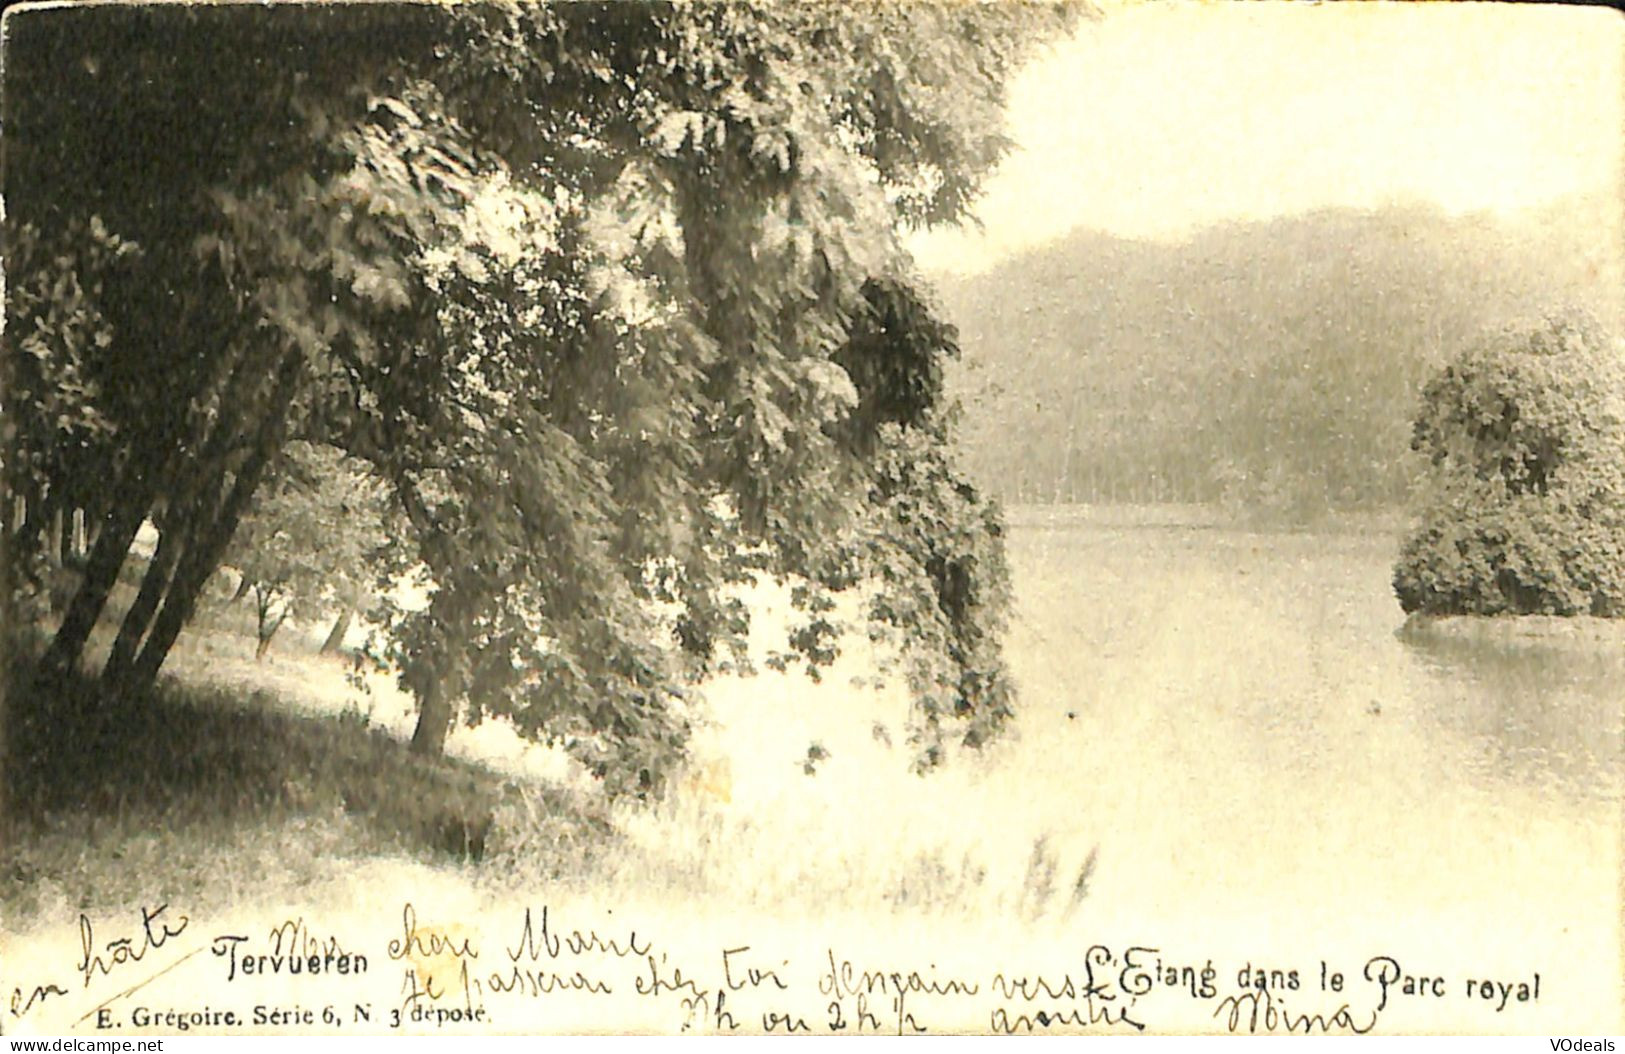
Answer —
1525 497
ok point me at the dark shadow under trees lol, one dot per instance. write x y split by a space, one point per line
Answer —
179 757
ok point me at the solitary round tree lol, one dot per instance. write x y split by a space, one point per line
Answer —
1525 507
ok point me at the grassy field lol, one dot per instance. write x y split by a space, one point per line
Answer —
242 781
234 780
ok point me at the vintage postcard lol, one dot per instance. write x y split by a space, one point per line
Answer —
905 517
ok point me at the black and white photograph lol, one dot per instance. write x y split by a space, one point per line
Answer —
892 517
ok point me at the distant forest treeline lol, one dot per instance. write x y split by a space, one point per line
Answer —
1270 364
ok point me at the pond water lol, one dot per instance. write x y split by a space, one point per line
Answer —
1223 750
1264 761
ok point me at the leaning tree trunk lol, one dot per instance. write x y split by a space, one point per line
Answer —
202 557
101 572
434 722
211 536
137 620
335 636
181 523
266 635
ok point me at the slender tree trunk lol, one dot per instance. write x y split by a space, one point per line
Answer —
58 586
202 557
172 618
434 721
335 636
59 540
266 633
26 537
101 572
183 511
137 620
212 535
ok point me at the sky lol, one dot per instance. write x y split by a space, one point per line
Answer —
1161 118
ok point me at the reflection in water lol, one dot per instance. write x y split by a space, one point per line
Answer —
1294 636
1545 714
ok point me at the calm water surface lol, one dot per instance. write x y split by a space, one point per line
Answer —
1267 762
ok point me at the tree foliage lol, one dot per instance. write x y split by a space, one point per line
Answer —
316 542
1525 439
612 297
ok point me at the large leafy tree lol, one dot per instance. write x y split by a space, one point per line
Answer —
612 296
1524 511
